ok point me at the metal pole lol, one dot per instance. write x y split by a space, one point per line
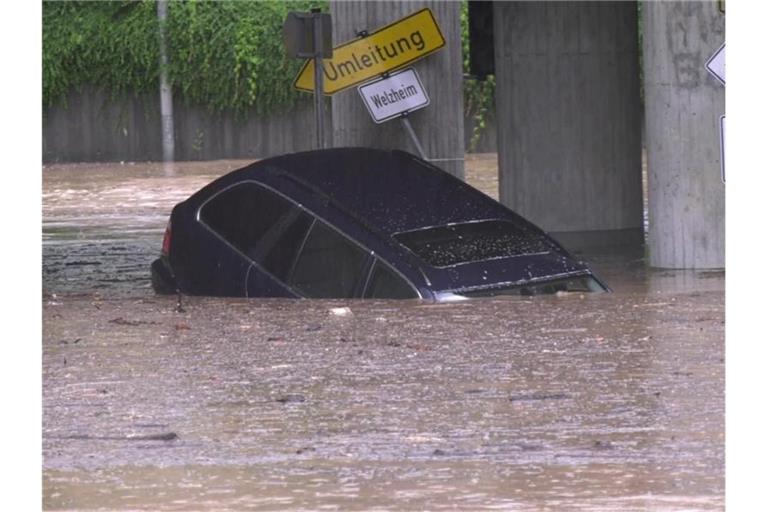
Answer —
166 95
404 120
319 107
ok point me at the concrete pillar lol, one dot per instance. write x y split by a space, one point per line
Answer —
568 114
683 104
439 126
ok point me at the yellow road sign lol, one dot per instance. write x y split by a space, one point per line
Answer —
388 48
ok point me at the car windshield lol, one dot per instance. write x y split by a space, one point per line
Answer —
578 284
453 244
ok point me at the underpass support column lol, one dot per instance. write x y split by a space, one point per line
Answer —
439 126
683 104
569 118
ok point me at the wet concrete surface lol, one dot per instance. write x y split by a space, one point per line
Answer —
579 402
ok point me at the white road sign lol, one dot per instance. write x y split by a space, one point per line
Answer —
716 64
722 148
399 93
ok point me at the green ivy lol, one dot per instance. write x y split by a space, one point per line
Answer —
102 43
222 55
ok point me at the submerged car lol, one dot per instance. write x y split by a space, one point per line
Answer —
357 223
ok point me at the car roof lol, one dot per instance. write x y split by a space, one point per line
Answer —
392 191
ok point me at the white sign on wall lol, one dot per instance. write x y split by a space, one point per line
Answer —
390 97
716 64
722 148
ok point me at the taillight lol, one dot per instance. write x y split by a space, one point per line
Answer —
167 240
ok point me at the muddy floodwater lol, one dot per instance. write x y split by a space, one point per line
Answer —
580 402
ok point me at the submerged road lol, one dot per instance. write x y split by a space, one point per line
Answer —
606 402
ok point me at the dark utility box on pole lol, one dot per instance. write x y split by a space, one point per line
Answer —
298 35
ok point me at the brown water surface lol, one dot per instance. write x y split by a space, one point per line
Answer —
579 402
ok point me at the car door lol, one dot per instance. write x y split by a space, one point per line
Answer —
384 283
329 264
269 273
247 219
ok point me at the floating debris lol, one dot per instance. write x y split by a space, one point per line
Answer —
291 399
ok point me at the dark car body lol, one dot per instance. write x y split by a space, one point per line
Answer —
355 223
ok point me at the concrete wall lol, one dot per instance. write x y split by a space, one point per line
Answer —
568 111
94 128
686 197
440 126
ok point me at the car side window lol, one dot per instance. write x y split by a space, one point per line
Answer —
249 217
329 265
281 256
384 283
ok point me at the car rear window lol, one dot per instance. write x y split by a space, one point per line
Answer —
453 244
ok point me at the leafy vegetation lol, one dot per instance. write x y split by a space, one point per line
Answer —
101 43
222 55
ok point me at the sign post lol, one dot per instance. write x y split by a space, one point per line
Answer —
372 55
407 124
722 147
318 59
388 48
716 67
308 35
396 95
